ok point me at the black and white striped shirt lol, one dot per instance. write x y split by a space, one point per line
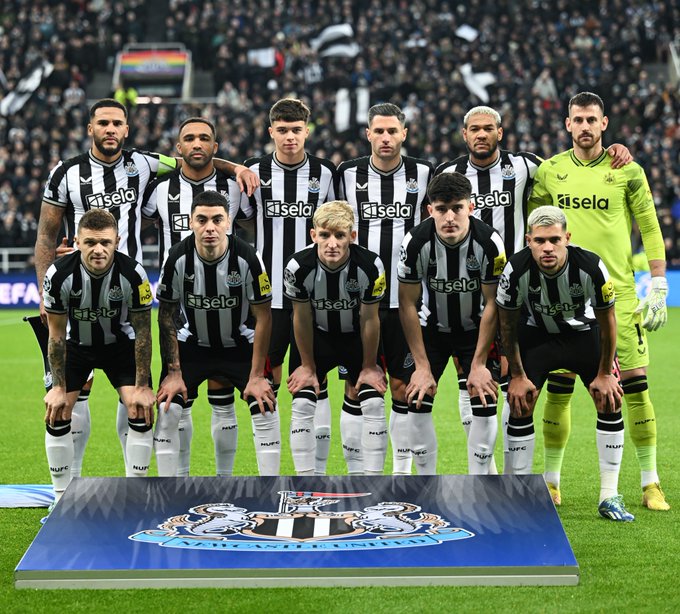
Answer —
214 296
169 199
500 192
452 276
336 295
84 182
386 206
284 204
97 306
556 303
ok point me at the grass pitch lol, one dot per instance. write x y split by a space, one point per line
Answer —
630 567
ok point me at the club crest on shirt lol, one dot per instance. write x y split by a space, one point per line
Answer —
352 285
314 185
116 294
300 524
576 290
472 264
234 279
508 171
609 178
412 186
131 169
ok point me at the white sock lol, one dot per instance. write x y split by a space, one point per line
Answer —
267 436
609 437
505 416
302 441
59 449
322 430
401 450
351 426
139 445
122 426
166 439
224 429
423 438
482 437
186 432
464 408
374 431
521 442
80 430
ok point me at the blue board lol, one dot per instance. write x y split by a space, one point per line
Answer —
300 531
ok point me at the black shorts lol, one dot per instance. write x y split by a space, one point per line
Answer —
577 351
331 351
395 357
201 363
440 347
282 325
117 360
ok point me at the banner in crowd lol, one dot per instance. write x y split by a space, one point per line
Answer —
20 290
30 81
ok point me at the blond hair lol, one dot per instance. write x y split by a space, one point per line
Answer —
334 215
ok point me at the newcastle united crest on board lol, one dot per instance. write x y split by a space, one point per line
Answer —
303 522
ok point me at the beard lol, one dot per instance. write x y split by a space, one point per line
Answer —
484 155
108 150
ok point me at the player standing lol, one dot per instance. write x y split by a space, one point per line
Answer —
602 201
292 184
388 194
169 199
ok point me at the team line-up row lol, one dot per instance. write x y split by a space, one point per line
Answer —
403 273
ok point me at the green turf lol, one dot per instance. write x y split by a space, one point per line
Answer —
632 567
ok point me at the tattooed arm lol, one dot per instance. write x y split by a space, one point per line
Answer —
49 222
173 383
142 399
55 399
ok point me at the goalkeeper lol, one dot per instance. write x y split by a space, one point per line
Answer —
602 202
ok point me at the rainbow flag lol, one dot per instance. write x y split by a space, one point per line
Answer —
158 63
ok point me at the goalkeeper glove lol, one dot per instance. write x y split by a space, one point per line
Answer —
653 306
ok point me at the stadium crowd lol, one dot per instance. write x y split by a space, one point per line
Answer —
540 53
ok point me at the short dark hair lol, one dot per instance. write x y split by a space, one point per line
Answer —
449 187
289 110
107 102
98 219
586 99
199 120
210 198
387 109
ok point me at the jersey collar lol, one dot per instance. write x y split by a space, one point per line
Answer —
285 167
386 173
198 181
595 162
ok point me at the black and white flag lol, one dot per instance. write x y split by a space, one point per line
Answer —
17 98
336 42
477 82
351 108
